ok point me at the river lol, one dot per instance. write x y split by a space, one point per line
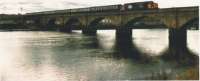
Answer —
57 56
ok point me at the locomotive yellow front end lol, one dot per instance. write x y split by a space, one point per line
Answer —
152 5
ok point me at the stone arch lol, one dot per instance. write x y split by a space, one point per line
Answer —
101 22
145 21
192 24
71 23
95 24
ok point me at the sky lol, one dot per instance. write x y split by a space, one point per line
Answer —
27 6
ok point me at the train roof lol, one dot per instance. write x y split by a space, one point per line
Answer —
64 10
141 2
53 11
106 5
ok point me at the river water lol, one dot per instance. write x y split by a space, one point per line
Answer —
56 56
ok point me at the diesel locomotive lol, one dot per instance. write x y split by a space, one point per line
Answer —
141 6
147 5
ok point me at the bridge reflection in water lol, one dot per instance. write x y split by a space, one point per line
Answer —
177 54
60 56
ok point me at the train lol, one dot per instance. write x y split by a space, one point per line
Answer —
147 5
141 6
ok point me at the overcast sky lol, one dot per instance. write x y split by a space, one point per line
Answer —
24 6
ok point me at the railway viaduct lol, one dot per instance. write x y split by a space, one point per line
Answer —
176 19
89 22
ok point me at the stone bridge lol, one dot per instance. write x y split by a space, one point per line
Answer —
176 19
89 22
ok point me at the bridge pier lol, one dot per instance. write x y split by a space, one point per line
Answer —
178 38
178 51
123 33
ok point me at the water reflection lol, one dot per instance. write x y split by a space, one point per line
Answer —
125 48
180 56
150 41
53 56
